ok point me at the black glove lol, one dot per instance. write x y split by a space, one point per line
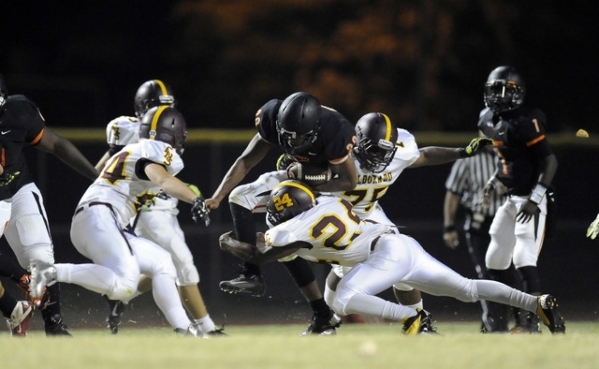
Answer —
199 211
7 178
527 211
285 161
475 146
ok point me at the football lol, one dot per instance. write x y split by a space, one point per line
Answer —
310 174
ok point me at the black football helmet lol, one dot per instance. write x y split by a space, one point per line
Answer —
287 200
377 141
3 92
504 90
298 122
150 94
166 124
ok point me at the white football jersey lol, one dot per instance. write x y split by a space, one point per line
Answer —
119 182
123 131
337 235
373 186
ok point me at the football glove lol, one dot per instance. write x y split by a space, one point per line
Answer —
527 211
475 146
199 211
593 229
285 161
7 178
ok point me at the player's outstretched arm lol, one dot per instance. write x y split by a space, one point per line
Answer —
252 155
67 153
593 229
254 254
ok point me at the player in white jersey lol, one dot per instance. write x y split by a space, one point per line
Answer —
129 180
381 154
158 222
324 229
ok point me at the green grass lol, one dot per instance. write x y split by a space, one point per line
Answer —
365 346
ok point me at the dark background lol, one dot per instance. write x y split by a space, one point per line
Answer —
422 62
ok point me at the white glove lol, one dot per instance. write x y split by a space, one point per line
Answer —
593 229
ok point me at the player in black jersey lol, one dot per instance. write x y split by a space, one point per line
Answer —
526 165
311 134
27 231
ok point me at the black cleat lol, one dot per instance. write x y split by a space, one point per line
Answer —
421 323
116 309
528 324
55 327
217 332
323 326
548 313
245 283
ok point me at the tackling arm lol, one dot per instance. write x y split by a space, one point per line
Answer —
255 254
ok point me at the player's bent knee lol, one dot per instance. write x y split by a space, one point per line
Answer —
188 275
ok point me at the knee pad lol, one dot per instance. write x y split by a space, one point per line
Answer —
188 275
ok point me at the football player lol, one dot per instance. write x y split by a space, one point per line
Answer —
158 221
16 312
127 181
381 154
27 231
325 228
526 166
313 135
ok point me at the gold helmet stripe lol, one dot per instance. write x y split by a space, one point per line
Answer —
155 118
389 127
296 185
162 86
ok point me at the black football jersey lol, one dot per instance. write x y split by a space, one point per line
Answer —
21 123
520 143
334 142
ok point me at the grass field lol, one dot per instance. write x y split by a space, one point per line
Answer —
370 346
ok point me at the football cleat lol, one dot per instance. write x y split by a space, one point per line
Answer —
421 323
192 331
246 283
24 283
55 327
323 326
19 318
217 332
548 313
42 275
526 324
116 309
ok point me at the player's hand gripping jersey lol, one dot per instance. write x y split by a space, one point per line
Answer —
123 182
336 234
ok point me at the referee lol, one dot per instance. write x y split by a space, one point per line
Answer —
465 185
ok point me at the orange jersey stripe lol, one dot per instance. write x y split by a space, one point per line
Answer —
37 138
540 138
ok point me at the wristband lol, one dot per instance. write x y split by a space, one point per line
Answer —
462 152
537 193
448 229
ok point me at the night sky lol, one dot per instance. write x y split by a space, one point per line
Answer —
81 61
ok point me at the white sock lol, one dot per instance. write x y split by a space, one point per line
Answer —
205 324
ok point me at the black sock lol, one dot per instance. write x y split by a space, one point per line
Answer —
320 307
301 271
245 231
530 280
7 304
51 302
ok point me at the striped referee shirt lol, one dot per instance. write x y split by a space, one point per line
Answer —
468 178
